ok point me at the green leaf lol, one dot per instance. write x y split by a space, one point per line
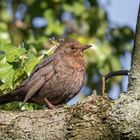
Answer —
12 52
115 64
6 73
30 63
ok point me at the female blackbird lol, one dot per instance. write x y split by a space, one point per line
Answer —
54 81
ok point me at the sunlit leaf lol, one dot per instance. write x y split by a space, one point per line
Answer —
6 73
31 63
12 52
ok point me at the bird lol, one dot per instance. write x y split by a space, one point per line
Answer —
54 81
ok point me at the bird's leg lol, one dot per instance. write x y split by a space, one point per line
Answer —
51 106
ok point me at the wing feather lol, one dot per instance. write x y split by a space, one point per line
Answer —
42 73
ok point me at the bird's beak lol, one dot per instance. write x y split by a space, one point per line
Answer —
85 47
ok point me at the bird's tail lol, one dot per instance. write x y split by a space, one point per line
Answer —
16 95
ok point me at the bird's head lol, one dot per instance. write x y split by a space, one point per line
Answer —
72 47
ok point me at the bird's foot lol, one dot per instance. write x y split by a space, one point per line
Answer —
49 104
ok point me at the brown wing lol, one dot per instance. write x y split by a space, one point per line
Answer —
42 73
44 63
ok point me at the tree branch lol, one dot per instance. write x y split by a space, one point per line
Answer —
82 121
135 69
124 116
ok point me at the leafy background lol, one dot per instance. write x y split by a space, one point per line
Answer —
25 30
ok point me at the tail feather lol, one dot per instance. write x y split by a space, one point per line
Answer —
16 95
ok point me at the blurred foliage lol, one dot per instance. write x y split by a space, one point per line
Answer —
24 39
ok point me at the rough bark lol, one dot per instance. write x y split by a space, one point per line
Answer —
95 118
134 81
85 120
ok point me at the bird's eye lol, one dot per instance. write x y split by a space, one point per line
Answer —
72 47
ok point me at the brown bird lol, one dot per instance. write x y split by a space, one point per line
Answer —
54 81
